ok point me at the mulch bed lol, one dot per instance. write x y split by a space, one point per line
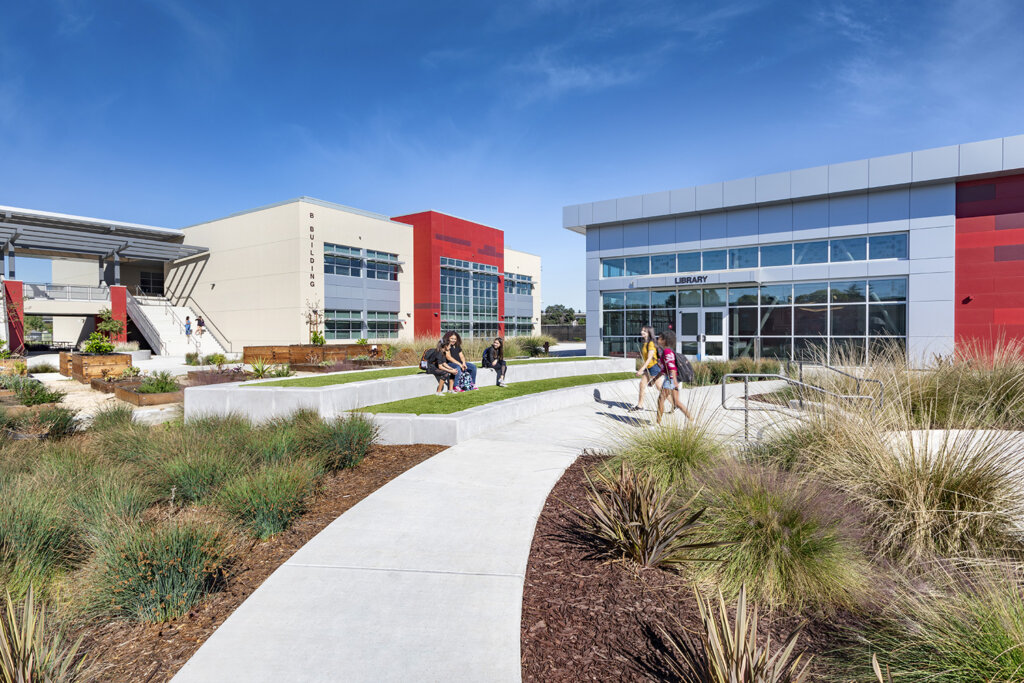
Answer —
586 618
127 652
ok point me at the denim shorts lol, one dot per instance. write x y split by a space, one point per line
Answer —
668 384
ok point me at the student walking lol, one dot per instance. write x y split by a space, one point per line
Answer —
650 369
438 366
456 357
200 326
188 327
494 358
670 372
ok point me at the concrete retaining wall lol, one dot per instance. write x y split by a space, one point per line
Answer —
449 430
260 404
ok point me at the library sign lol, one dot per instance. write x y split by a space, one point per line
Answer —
691 280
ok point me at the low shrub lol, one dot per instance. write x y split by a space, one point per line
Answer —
56 422
158 383
717 369
728 651
34 393
702 374
266 501
532 345
154 573
38 539
284 370
745 365
670 453
215 359
41 368
130 372
112 416
792 543
97 343
339 443
194 476
29 650
640 521
192 358
260 368
769 366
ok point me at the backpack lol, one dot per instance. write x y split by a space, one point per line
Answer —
683 368
426 360
466 382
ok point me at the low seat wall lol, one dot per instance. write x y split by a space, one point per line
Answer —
260 404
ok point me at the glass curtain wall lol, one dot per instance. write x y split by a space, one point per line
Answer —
469 298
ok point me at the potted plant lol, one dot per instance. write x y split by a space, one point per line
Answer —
97 355
155 389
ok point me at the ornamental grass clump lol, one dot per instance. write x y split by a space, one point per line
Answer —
112 416
267 501
962 626
158 383
339 443
729 651
154 573
195 475
38 537
641 521
670 453
30 650
793 543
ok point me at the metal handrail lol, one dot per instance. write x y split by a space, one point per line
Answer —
144 324
193 339
766 375
859 380
62 292
220 336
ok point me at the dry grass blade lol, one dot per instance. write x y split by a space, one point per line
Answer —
642 521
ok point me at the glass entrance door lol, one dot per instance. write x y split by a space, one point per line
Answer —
702 333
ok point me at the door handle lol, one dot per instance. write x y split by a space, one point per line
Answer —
700 338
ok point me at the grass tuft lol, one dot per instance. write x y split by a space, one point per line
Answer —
266 502
671 453
112 416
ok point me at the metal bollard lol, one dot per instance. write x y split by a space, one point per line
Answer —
746 408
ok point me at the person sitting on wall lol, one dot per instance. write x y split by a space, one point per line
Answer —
494 358
439 367
456 357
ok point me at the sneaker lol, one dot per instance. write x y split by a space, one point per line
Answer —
457 390
502 384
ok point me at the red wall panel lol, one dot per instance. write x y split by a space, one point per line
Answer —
437 235
990 260
14 300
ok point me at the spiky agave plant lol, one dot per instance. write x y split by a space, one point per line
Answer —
729 652
641 520
31 652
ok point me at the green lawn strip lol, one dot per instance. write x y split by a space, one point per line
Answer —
366 375
453 403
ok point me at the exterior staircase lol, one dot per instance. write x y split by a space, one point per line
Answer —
163 326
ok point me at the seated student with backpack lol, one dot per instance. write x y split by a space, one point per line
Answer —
438 366
672 369
494 358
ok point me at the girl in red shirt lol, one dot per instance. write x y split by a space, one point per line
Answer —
670 386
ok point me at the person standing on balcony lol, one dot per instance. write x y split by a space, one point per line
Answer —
188 328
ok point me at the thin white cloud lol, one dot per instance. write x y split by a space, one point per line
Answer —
208 40
74 16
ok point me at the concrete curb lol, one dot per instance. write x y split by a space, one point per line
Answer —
261 404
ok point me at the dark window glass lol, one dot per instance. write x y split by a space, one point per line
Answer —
641 299
613 322
848 320
663 299
688 262
887 246
810 252
888 290
689 348
810 292
714 297
713 322
663 319
688 324
743 321
743 258
852 249
847 351
887 348
743 296
809 348
638 265
849 291
714 260
777 294
613 300
775 347
636 319
777 255
612 267
713 348
777 320
663 263
689 297
810 320
741 347
887 320
614 347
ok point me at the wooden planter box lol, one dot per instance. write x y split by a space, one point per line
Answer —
85 366
302 353
65 363
129 395
107 386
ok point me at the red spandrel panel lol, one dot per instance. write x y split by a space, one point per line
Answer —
989 282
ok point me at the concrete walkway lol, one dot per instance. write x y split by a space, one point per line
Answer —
422 580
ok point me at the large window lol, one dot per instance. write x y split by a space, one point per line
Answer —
349 261
518 284
381 325
840 250
381 265
850 321
343 324
151 283
469 297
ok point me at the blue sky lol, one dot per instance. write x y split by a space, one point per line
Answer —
169 112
